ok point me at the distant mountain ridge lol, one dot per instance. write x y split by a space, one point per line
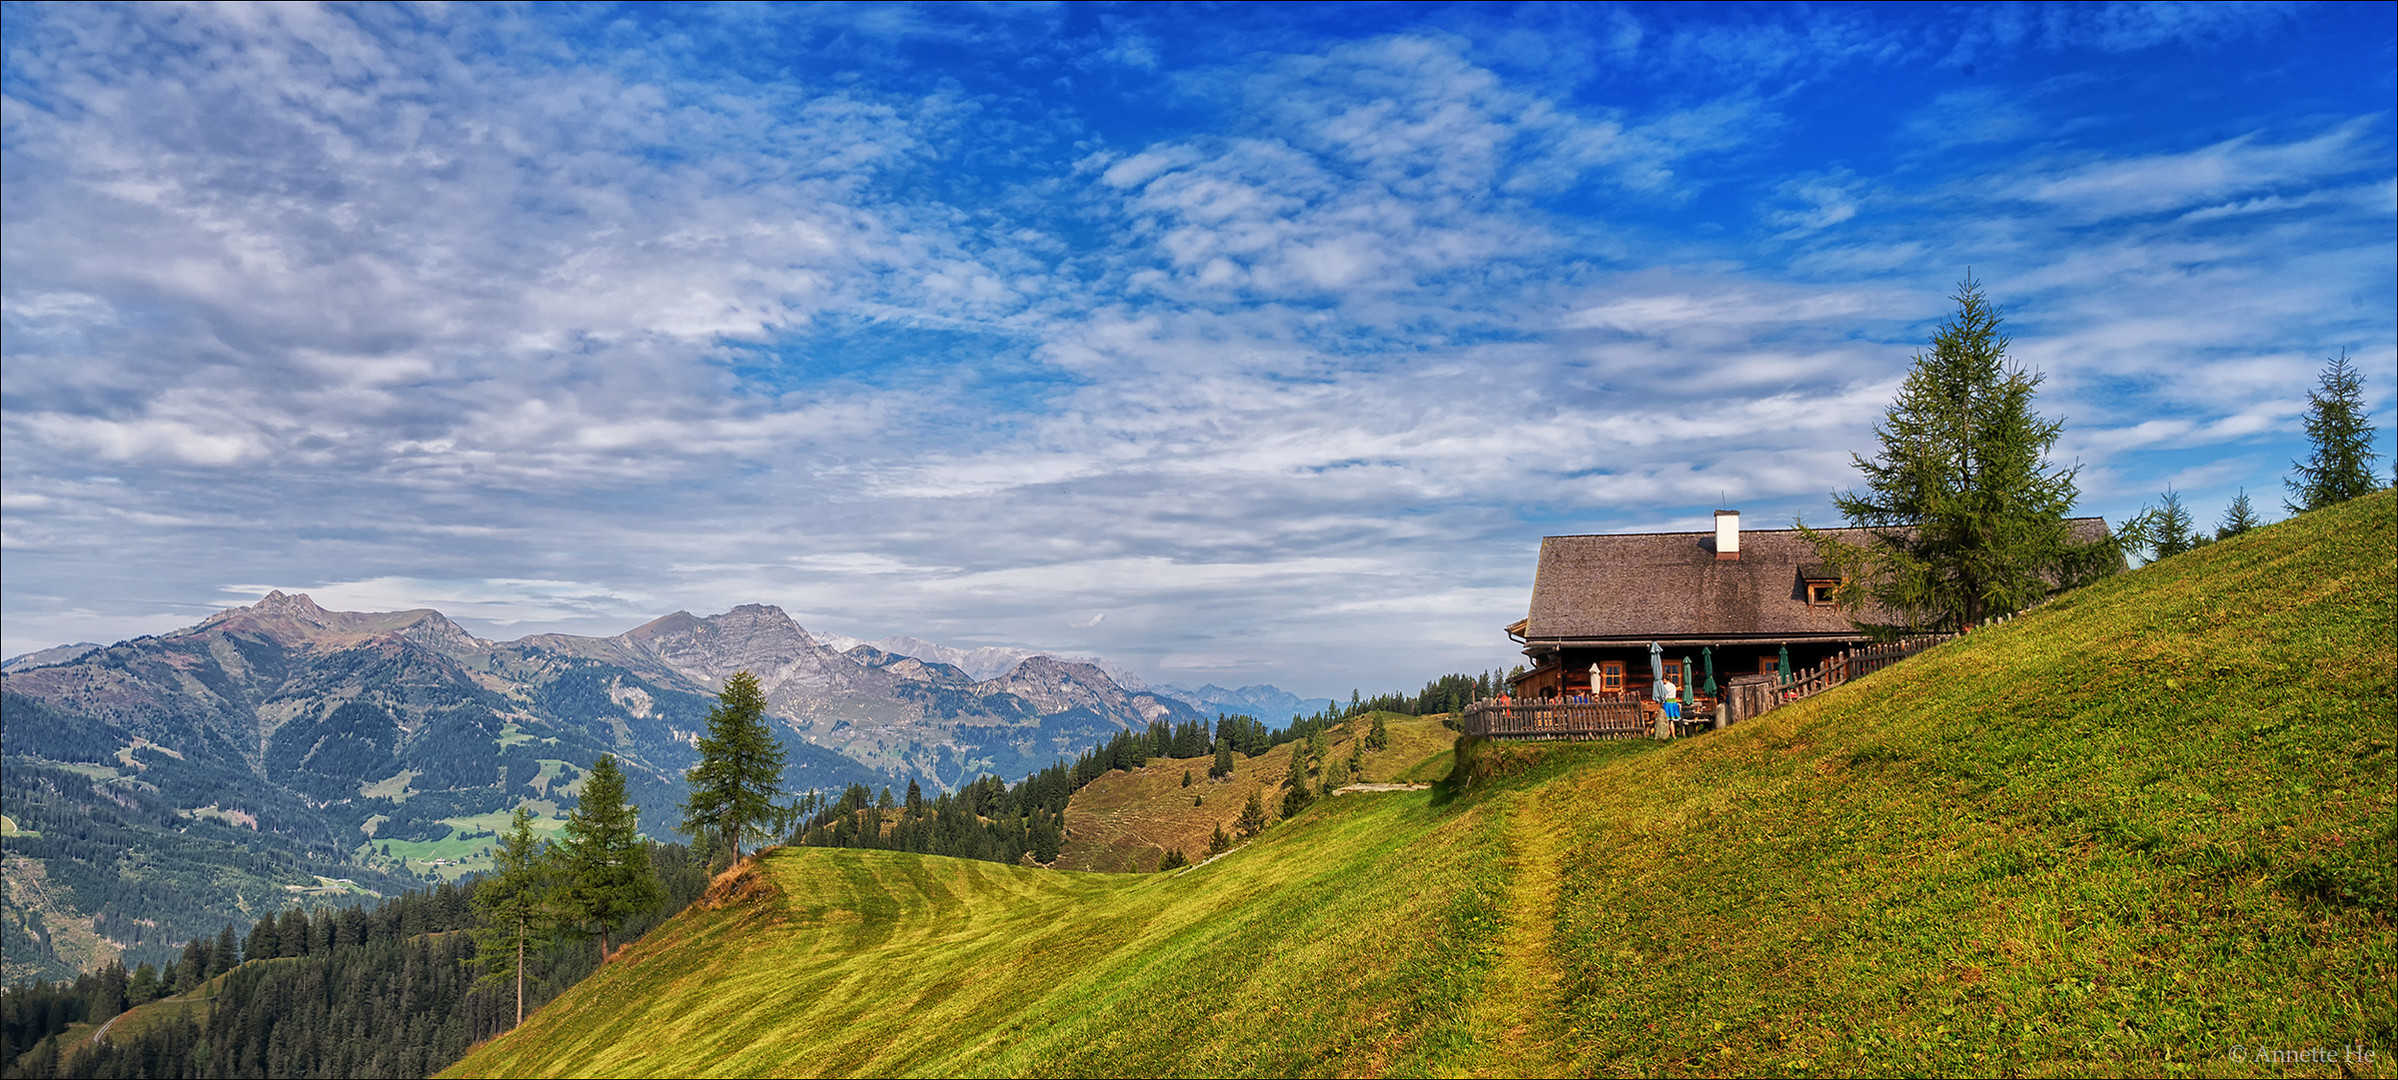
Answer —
282 743
992 661
56 654
1264 701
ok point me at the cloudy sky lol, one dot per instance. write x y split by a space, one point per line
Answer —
1250 343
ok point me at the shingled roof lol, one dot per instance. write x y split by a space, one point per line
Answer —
1661 586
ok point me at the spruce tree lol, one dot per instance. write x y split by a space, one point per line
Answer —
2341 467
517 902
1336 776
1223 766
1294 782
2174 534
2238 518
226 955
1253 817
607 877
1966 518
740 770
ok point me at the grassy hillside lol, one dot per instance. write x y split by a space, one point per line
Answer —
2145 830
1127 821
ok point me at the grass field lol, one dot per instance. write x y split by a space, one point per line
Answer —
2145 830
467 849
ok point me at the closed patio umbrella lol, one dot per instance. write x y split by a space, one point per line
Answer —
1656 661
1784 666
1707 654
1686 692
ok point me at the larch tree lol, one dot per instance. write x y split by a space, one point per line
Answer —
1966 518
518 903
740 770
2341 467
607 878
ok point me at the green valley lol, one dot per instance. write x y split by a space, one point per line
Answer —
2145 829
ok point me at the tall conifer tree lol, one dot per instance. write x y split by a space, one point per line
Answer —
740 771
2341 467
1967 518
607 878
2174 534
517 901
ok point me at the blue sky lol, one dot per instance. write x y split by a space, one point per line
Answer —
1249 343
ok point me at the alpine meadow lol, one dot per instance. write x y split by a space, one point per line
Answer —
1584 539
2084 842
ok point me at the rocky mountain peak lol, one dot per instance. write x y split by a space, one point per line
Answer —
761 619
1054 685
435 630
758 638
291 606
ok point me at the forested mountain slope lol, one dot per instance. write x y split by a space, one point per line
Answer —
2121 835
158 788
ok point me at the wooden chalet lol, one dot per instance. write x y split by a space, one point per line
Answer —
1743 599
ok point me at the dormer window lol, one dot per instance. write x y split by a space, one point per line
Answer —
1819 593
1821 583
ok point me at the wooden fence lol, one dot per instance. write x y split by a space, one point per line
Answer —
1751 696
1617 719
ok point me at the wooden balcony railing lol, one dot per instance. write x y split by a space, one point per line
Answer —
1751 696
1557 720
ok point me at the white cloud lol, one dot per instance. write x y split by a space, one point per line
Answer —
2173 181
1280 358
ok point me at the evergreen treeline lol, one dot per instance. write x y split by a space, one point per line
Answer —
387 991
1446 694
992 820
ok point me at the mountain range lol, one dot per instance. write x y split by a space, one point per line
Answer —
162 786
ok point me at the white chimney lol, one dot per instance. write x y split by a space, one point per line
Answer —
1727 535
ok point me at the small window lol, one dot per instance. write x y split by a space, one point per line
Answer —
1611 677
1819 593
1673 672
1770 665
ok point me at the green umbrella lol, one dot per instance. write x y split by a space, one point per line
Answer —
1707 653
1784 666
1685 680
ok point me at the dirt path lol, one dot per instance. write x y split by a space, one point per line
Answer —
1516 1019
